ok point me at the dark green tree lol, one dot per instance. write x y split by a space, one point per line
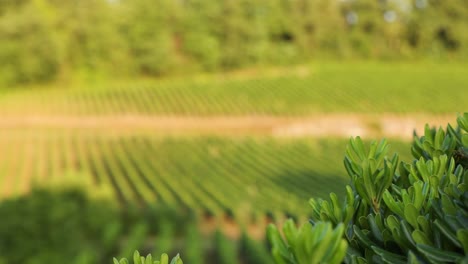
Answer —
29 47
148 30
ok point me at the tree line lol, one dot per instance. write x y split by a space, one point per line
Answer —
44 40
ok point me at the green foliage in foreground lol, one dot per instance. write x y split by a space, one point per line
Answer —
47 226
394 212
315 244
137 259
64 222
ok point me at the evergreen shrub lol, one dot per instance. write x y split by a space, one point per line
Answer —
394 211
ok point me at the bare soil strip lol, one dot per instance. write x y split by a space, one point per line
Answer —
321 125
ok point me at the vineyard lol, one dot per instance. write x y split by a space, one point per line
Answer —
300 91
220 175
219 188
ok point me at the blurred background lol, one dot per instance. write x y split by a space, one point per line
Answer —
46 40
189 125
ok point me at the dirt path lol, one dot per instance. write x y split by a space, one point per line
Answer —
324 125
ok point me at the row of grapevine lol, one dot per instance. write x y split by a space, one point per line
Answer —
287 94
219 176
246 179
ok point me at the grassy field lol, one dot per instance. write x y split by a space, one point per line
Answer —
306 90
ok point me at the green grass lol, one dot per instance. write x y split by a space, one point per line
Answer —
318 88
214 175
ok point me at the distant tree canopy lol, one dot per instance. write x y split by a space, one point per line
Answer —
43 40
